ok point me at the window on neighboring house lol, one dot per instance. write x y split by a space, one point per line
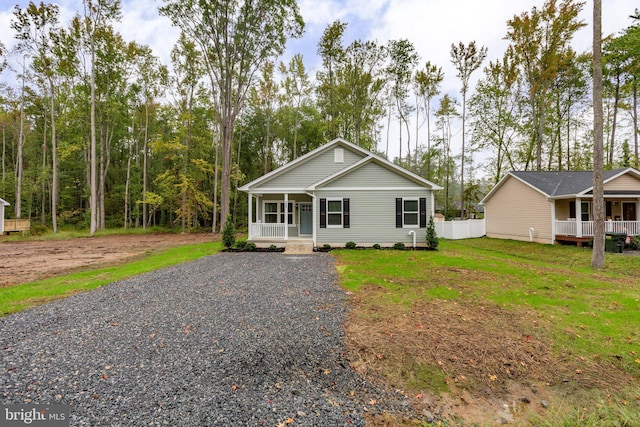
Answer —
411 212
334 213
586 211
274 213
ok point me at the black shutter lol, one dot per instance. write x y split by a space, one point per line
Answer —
398 212
423 212
323 213
345 213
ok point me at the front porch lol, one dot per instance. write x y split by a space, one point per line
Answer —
280 218
585 228
573 218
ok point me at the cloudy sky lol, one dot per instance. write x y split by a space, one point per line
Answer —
431 25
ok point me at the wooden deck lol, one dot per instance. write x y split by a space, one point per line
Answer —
579 241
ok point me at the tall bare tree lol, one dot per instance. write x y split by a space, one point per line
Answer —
36 28
427 85
597 259
403 59
236 37
96 15
466 59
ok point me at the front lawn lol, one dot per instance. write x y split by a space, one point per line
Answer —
495 321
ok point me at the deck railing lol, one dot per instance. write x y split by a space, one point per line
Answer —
570 227
261 230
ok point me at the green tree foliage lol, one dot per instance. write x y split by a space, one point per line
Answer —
540 43
229 233
132 144
235 38
497 115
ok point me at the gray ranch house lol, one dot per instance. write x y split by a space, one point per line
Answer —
339 193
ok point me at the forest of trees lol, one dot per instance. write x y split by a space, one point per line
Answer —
98 133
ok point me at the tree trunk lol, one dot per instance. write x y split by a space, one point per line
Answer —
4 153
225 182
19 169
93 184
464 113
215 142
54 163
616 101
43 205
428 138
144 166
635 120
597 259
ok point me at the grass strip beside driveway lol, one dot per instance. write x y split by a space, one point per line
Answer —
18 297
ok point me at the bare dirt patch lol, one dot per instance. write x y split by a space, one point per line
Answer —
29 260
465 363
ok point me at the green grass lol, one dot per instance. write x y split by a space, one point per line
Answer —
19 297
590 314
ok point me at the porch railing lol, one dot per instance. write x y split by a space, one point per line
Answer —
261 230
570 228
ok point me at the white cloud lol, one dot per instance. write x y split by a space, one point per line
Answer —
141 22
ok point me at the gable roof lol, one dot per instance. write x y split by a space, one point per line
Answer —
367 158
3 203
556 184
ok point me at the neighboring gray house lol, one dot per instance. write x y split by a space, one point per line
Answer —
338 193
2 205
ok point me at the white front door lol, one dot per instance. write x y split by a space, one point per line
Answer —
306 218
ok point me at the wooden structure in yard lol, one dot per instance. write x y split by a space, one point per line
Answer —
12 225
16 225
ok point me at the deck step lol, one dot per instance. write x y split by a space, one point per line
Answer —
298 248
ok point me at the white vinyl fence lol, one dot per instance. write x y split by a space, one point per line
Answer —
467 229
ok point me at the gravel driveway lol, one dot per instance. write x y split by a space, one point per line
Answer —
234 339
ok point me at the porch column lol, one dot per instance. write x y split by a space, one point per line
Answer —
250 210
286 216
578 217
553 221
313 212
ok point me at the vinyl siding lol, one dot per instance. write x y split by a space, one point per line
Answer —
311 171
372 175
372 215
624 182
562 209
516 207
